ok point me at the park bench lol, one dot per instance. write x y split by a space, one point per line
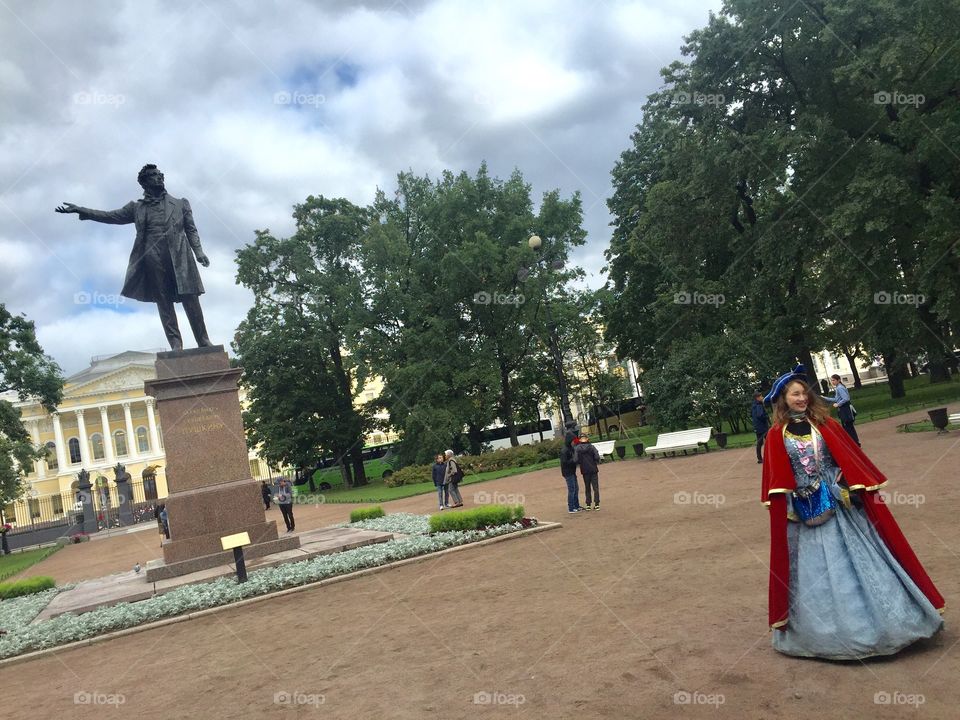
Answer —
954 419
674 442
605 448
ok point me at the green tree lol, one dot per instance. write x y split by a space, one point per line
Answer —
298 342
28 372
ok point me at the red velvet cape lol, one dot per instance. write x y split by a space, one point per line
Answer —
860 475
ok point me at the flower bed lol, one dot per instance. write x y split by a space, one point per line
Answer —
404 523
22 637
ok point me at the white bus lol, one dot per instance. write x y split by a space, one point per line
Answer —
498 436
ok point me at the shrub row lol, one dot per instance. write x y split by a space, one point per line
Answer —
522 456
27 586
367 513
476 518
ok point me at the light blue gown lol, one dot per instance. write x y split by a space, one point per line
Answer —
849 597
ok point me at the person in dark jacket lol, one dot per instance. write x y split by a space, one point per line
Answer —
285 502
761 423
588 458
443 490
568 468
267 495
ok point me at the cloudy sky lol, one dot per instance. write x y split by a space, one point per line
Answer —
248 107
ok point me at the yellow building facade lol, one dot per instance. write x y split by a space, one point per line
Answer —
104 418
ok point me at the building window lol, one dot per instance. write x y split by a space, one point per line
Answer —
52 456
120 442
150 488
57 501
96 441
143 445
34 508
74 446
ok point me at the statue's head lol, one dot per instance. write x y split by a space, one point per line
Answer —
150 178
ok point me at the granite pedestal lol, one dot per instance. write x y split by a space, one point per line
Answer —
211 492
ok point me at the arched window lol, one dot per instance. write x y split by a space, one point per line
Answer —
120 442
143 444
74 446
52 456
96 441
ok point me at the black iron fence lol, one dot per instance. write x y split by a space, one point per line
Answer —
29 514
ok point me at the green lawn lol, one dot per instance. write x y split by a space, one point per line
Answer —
15 562
377 492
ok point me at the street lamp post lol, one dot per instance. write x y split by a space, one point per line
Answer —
536 244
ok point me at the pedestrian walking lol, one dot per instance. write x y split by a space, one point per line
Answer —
452 476
761 423
285 502
266 494
443 490
568 468
588 458
845 409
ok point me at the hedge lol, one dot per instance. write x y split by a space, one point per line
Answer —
367 513
27 586
476 518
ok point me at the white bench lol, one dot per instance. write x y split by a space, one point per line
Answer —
954 419
605 448
674 442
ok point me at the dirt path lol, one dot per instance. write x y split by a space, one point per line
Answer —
608 617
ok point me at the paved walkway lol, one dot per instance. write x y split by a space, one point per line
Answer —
131 586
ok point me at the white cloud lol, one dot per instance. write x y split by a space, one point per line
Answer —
94 90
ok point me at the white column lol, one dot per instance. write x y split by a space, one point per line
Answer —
58 439
84 442
39 466
107 437
133 450
152 422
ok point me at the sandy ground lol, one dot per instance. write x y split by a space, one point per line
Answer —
658 598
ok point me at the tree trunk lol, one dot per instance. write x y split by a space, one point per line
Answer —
506 404
807 359
475 438
937 341
851 358
359 472
895 373
345 474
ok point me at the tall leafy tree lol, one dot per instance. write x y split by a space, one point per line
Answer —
28 372
298 342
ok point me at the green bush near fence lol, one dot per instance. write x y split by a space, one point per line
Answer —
27 586
476 518
367 513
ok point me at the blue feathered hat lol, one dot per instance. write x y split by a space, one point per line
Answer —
798 373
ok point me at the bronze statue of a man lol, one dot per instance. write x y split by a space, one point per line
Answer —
162 268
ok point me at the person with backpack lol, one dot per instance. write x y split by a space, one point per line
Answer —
568 468
452 477
588 458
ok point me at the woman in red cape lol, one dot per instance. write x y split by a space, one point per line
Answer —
844 581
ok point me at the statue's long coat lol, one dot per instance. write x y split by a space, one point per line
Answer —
182 240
